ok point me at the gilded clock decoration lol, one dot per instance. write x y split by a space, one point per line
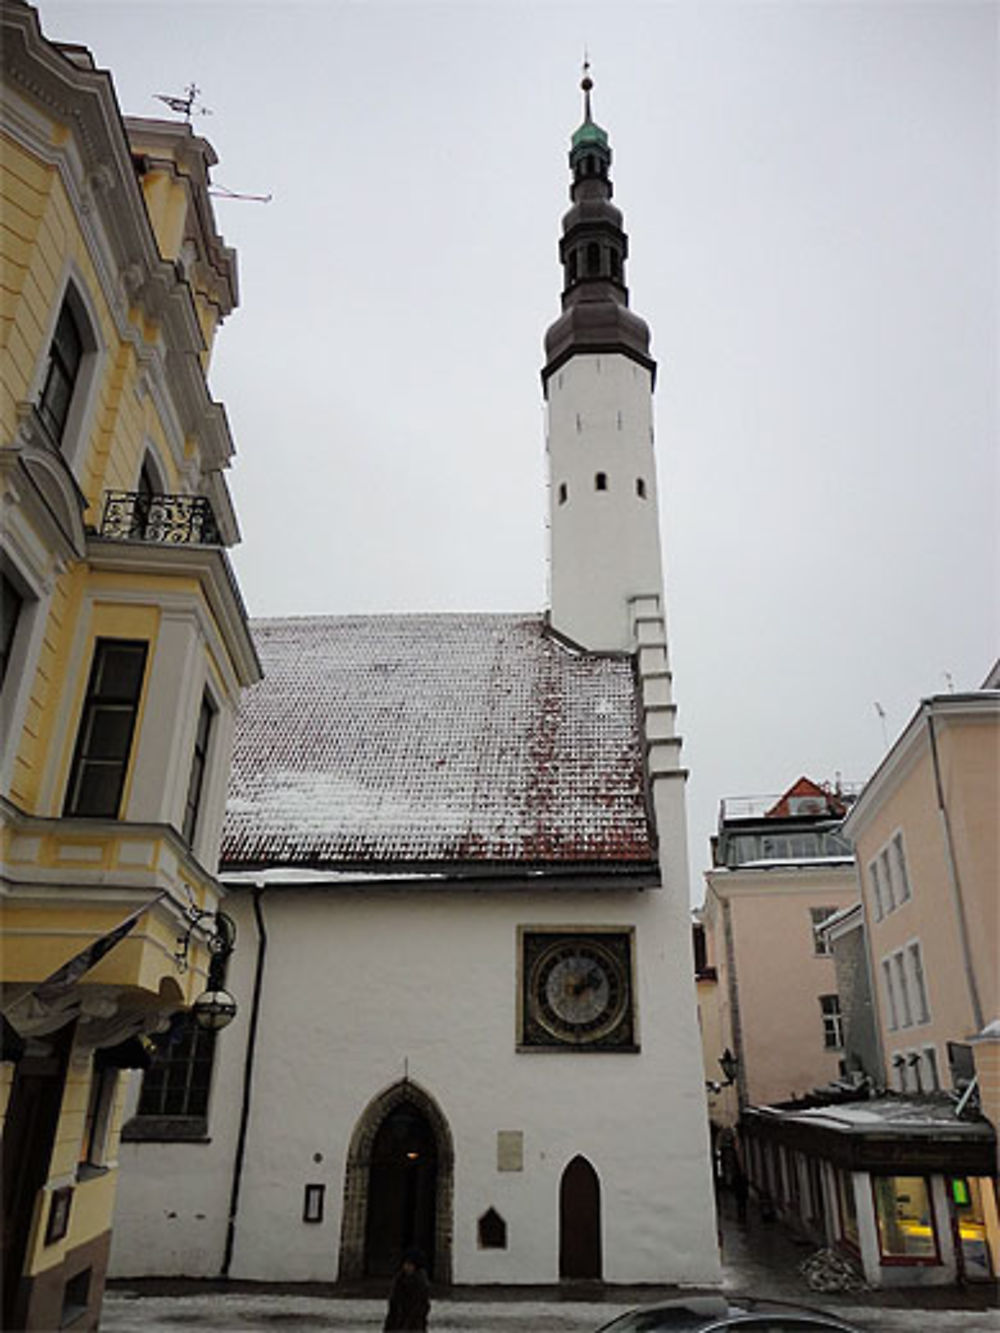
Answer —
577 990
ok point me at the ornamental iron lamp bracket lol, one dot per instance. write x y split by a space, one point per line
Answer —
215 1008
729 1065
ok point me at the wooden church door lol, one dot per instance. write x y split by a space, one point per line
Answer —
580 1222
402 1187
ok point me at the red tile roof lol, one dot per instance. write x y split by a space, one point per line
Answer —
408 741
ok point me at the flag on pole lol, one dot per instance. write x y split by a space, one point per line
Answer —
60 982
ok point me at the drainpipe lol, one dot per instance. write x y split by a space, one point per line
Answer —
241 1138
953 879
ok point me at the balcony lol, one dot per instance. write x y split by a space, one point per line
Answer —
138 516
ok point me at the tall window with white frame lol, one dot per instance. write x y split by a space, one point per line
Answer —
11 603
876 884
107 726
905 1008
199 762
915 962
902 875
818 915
833 1022
890 994
61 372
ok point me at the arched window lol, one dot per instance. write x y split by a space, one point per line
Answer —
571 266
616 264
67 376
593 258
492 1231
61 372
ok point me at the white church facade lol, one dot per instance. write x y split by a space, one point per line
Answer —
455 855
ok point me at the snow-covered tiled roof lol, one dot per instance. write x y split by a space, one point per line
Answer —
428 739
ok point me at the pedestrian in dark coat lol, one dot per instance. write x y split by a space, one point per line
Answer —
410 1296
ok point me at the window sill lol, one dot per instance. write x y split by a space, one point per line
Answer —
166 1129
90 1171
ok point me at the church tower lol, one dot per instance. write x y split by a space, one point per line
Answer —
598 380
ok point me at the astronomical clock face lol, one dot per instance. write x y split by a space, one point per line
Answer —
577 990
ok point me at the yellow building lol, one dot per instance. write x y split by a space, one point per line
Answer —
124 643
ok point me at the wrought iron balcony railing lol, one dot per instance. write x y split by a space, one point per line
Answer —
139 516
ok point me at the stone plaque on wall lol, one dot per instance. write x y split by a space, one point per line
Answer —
510 1150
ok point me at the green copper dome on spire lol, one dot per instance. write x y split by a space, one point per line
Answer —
589 131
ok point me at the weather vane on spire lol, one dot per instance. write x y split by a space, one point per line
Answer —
185 106
586 83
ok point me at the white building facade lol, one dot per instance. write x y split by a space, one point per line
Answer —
456 858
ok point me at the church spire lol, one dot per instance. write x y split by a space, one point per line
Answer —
604 535
593 250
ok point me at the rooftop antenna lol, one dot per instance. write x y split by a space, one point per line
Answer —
586 83
185 106
881 713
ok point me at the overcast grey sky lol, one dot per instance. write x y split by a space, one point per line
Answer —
811 195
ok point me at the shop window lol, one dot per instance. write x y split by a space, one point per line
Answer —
905 1219
199 762
849 1232
970 1212
107 725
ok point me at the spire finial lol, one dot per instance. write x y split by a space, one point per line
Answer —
586 83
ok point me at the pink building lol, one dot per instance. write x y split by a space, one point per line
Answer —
780 868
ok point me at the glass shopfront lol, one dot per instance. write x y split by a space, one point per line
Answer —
905 1219
968 1196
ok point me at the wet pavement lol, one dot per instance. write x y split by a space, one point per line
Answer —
759 1259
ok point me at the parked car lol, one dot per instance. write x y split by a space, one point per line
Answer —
718 1314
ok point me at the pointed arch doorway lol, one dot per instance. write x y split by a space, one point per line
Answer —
580 1250
398 1186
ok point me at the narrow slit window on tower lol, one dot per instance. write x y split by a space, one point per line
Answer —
600 481
571 266
579 424
640 488
593 257
616 264
563 494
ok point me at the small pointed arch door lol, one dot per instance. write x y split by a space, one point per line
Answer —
580 1256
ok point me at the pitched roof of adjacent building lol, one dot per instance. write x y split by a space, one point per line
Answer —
436 740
